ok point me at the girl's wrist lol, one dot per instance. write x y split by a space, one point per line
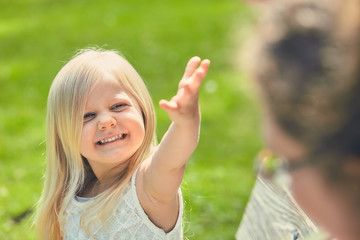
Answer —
190 123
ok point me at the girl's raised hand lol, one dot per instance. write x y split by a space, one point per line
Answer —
184 105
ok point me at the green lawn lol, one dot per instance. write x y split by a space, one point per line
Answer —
158 37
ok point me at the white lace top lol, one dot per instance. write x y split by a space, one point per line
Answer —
127 221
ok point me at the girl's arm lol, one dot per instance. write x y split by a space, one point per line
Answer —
160 177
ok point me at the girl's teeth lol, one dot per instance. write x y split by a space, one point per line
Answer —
121 136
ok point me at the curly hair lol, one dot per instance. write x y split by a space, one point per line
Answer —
308 68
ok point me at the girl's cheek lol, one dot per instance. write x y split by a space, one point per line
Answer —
87 130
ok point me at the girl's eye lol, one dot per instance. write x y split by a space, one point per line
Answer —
118 107
88 116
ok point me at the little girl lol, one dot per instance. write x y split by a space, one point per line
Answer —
106 178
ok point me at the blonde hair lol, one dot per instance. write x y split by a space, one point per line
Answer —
66 169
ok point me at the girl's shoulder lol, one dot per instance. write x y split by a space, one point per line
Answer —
130 212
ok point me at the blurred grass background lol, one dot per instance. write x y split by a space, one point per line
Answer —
158 37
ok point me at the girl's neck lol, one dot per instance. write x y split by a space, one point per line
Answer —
106 173
94 185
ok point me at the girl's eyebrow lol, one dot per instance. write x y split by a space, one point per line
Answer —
117 97
88 109
122 96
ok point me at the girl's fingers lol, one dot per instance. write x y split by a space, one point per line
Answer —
199 75
197 80
168 106
195 73
191 66
205 65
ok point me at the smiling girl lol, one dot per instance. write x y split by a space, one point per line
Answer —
106 178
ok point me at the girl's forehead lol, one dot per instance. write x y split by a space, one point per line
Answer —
110 79
107 83
108 89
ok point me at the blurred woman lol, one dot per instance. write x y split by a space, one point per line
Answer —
307 63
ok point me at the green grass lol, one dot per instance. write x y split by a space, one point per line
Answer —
158 37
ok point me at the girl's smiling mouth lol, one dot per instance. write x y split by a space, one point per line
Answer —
111 139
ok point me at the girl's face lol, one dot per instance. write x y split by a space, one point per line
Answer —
113 127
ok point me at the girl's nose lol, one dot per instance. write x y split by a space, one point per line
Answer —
106 122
